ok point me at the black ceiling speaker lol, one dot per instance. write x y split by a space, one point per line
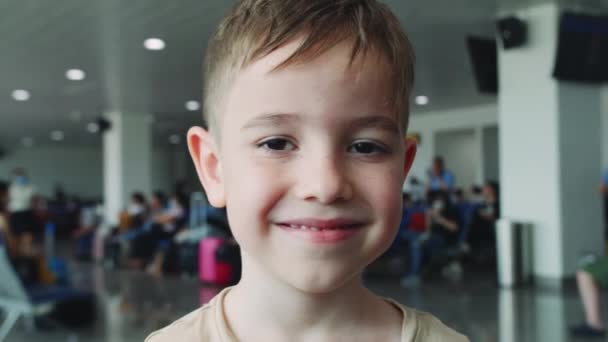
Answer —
104 125
513 32
99 126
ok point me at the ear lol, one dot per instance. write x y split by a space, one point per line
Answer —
205 155
410 154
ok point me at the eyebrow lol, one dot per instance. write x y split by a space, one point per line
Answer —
283 119
272 119
376 121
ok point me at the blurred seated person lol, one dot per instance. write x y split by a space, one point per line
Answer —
440 178
141 220
60 198
8 240
459 199
134 215
412 230
113 240
168 224
443 222
174 216
482 233
476 196
137 210
89 220
466 209
4 196
161 225
40 214
31 267
416 190
20 197
408 206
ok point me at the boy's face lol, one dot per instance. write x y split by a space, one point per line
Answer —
310 164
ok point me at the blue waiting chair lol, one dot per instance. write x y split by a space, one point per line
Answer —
18 301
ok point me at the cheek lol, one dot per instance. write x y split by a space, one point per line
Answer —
384 191
250 195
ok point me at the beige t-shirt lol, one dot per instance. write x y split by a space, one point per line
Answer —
208 324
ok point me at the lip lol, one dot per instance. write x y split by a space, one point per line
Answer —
336 223
322 231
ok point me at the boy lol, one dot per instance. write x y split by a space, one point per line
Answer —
306 102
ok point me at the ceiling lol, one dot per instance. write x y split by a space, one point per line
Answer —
40 40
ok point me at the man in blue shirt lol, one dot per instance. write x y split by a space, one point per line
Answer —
440 178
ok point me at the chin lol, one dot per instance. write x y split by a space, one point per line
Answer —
313 281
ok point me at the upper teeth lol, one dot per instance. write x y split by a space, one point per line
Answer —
295 226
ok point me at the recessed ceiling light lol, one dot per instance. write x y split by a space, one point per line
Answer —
175 139
154 44
57 135
422 100
21 95
75 75
28 141
193 105
93 127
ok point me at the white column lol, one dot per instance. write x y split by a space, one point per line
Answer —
127 160
549 149
490 153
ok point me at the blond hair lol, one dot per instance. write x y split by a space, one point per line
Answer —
256 28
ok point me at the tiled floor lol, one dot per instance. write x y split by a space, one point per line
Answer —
132 304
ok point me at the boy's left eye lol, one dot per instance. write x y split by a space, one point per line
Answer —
277 144
367 147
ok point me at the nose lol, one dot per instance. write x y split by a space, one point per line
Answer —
324 180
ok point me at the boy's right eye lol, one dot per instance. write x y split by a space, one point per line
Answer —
277 144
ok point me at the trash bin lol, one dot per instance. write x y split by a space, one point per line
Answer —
514 253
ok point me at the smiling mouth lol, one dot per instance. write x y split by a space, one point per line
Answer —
319 229
322 231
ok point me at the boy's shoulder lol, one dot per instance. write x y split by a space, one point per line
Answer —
201 325
188 328
421 326
207 324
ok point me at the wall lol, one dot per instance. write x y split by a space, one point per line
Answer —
179 167
162 173
457 149
79 169
428 125
491 153
579 132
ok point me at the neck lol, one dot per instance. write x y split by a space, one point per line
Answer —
261 302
